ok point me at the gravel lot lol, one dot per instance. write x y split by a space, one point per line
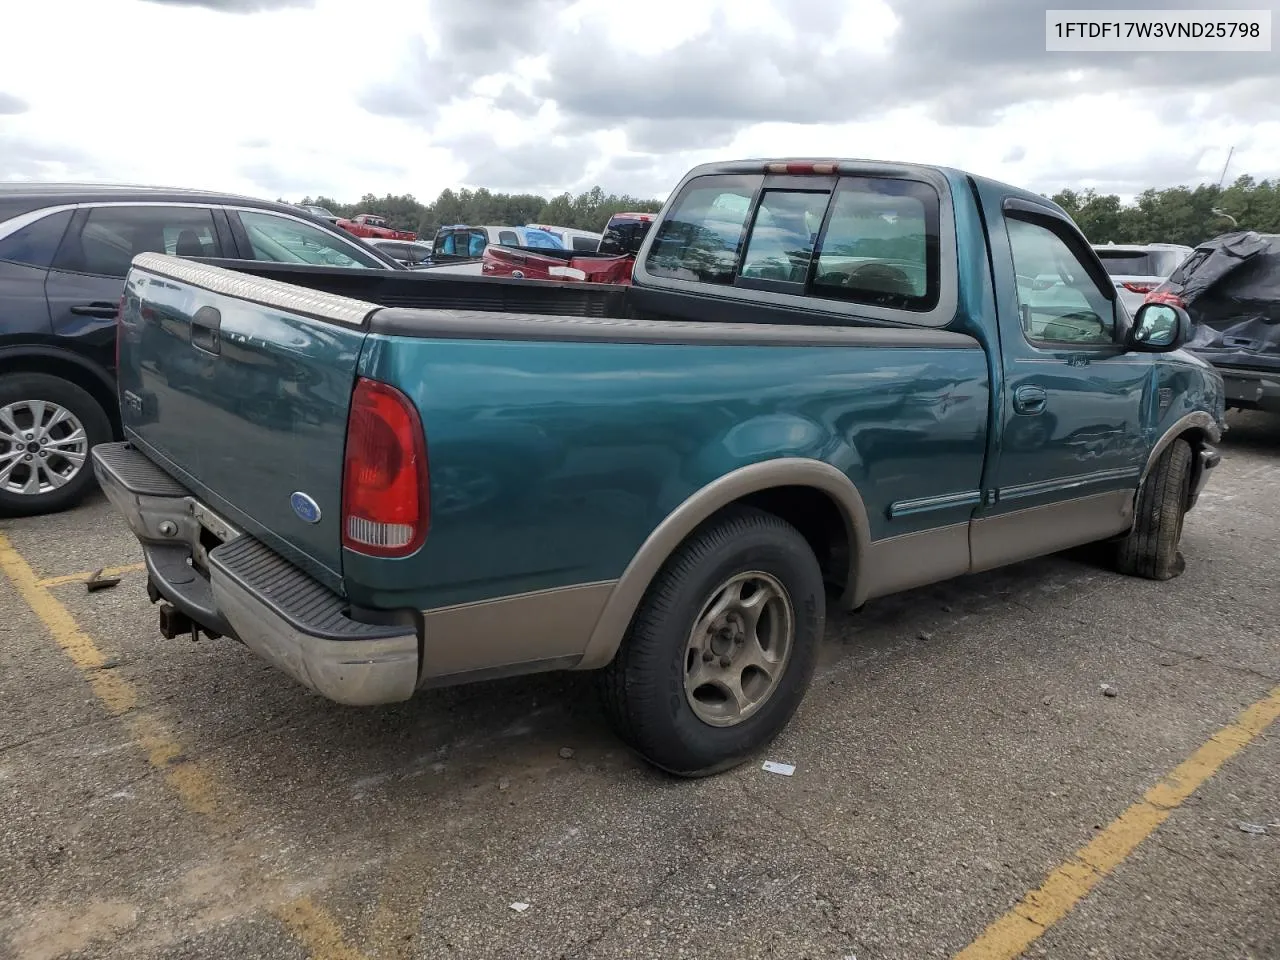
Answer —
164 799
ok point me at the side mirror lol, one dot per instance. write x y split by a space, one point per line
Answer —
1159 328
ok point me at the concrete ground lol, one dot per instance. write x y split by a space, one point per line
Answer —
163 799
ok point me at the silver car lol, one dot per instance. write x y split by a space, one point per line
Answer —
1138 268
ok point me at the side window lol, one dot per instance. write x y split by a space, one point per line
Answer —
699 239
881 245
508 238
1057 298
36 243
112 236
783 235
279 239
585 243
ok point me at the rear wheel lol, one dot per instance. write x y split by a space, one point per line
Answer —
1151 548
47 427
722 649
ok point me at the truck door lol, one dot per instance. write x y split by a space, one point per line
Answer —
1073 440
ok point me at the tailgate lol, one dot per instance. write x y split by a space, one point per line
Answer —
240 388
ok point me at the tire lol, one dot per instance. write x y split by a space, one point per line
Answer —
24 396
1151 548
644 691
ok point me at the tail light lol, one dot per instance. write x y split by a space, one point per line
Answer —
1139 286
385 502
1165 296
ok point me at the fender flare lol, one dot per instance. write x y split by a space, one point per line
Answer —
1196 420
627 593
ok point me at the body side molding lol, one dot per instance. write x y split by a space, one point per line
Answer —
659 545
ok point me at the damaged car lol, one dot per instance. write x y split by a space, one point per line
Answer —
1230 287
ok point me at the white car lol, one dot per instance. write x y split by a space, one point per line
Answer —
1138 268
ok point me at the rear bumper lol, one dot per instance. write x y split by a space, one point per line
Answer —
1251 389
241 588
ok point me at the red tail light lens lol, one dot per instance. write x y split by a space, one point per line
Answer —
1138 286
801 167
385 503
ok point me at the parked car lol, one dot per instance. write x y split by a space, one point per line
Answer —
611 262
1137 269
317 211
372 226
1230 287
666 482
402 251
582 241
64 252
459 248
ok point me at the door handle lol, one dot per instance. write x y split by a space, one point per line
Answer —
206 330
107 311
1029 399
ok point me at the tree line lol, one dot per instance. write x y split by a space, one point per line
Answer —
1186 215
589 210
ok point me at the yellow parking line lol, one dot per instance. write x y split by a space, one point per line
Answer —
86 574
1066 886
196 787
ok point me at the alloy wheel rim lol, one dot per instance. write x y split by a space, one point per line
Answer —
739 648
43 447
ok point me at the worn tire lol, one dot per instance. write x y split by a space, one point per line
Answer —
643 690
18 387
1151 548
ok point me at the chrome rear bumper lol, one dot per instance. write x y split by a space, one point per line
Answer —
241 588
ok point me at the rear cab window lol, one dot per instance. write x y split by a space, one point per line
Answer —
861 240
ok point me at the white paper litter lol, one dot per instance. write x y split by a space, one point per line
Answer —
519 907
785 769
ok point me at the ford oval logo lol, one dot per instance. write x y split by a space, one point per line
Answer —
306 508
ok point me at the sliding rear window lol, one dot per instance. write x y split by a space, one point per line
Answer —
870 240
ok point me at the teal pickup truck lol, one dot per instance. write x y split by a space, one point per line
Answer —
829 381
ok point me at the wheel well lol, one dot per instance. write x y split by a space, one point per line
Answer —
819 520
72 372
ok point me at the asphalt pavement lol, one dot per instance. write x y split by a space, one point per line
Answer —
963 783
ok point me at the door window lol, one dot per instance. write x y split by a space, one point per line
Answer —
277 239
1058 300
112 236
36 243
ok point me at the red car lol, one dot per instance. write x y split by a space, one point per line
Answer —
371 225
611 263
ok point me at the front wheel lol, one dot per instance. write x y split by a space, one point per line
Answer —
1151 548
722 649
47 428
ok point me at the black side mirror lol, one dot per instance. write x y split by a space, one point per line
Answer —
1159 328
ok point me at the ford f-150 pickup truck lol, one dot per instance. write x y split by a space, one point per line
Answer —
828 382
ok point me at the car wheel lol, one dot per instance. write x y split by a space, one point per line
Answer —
722 649
47 428
1151 548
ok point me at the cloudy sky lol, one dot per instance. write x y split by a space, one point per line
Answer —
343 97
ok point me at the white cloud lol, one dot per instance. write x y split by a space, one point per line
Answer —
395 96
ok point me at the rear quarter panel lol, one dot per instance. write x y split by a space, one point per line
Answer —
551 462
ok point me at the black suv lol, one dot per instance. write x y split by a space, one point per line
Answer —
64 252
